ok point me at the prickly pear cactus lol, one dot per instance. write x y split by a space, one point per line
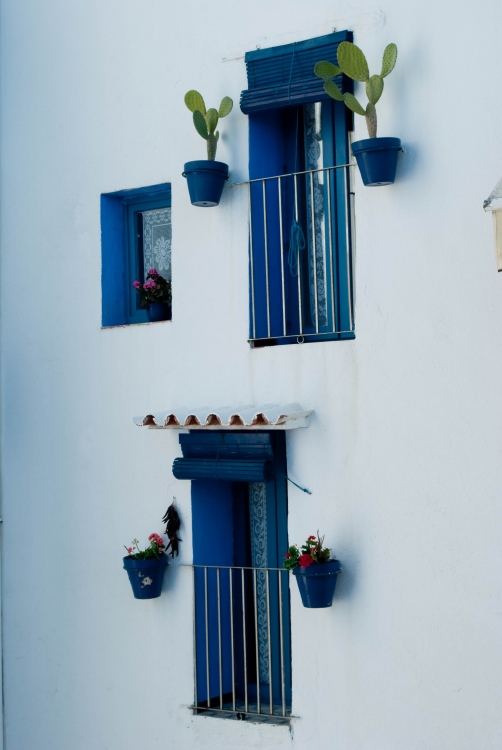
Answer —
353 63
206 121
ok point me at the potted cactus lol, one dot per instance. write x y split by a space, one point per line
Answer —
376 157
206 178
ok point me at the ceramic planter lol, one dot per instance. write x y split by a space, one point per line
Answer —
377 160
146 576
205 181
317 583
157 311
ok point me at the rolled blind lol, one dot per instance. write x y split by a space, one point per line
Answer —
284 76
235 470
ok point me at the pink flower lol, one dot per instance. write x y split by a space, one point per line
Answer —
149 285
287 555
129 549
136 284
152 272
305 561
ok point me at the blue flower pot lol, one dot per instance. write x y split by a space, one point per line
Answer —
317 583
146 576
377 160
157 311
205 181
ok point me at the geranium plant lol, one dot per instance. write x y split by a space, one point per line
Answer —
312 552
155 289
154 550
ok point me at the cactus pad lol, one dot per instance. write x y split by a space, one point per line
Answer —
374 88
389 59
194 101
225 106
325 70
211 120
352 61
200 124
333 91
353 104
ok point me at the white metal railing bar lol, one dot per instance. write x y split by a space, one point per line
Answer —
290 174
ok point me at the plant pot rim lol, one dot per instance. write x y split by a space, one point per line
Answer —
319 569
205 165
150 562
376 144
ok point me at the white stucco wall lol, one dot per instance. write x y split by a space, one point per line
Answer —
403 452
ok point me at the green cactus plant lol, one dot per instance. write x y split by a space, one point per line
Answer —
206 121
353 63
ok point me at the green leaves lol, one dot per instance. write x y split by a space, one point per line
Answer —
225 106
374 88
200 124
325 70
194 101
353 62
389 60
333 91
352 103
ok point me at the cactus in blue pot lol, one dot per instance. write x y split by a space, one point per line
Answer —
206 121
352 62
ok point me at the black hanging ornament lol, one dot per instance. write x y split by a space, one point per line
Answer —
173 523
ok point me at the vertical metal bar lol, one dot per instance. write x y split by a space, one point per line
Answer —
207 640
281 636
265 236
258 697
347 247
314 250
298 266
194 642
251 263
269 647
219 636
331 175
244 642
231 582
281 255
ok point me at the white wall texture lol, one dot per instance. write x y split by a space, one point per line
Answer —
403 454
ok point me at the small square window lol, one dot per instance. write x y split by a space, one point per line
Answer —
135 236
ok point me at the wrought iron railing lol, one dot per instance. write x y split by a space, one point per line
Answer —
301 240
241 641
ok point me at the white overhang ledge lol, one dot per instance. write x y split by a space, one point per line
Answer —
267 417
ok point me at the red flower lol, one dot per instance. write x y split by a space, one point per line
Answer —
129 549
305 561
287 555
311 537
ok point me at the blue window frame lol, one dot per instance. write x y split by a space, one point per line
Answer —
135 235
301 275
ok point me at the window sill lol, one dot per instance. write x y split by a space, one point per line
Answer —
135 325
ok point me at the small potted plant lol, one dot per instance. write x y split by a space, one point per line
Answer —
376 157
206 178
155 295
315 572
145 568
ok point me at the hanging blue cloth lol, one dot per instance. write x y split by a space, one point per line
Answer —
296 243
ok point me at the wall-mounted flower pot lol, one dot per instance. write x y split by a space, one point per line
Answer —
205 181
317 583
377 160
146 576
157 311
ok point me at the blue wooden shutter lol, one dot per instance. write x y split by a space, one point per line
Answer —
283 76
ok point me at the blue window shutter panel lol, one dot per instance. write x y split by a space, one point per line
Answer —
284 76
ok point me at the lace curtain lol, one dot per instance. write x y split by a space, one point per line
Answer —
315 238
259 558
157 241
